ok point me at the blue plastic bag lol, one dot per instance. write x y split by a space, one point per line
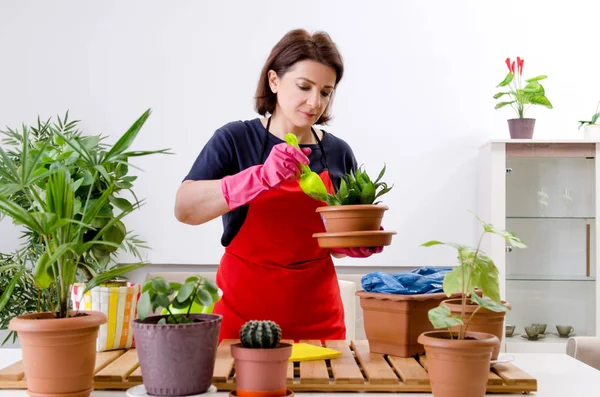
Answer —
424 280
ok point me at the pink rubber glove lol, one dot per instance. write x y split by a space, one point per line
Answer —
283 163
360 252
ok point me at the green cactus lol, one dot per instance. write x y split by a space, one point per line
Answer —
260 334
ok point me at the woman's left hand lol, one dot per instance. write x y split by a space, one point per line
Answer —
359 252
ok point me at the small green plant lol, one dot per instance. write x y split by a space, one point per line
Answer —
358 188
593 120
475 270
157 292
260 334
533 93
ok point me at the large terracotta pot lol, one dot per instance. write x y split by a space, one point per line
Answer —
394 322
484 320
59 354
352 218
458 368
261 372
177 359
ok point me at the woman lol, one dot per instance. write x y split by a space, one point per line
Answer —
272 267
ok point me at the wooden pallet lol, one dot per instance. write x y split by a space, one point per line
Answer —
356 370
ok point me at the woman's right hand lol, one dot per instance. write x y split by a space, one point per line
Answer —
282 164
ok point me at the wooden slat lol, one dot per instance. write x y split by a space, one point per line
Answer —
374 365
13 372
314 371
409 370
105 358
513 375
119 369
224 361
344 368
136 375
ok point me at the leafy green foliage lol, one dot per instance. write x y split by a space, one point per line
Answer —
65 189
159 293
594 118
475 270
358 188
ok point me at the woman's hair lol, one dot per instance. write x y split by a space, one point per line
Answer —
297 45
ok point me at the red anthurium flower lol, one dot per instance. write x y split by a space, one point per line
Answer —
520 65
508 64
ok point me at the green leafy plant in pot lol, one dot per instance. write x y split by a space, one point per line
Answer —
41 195
459 358
177 351
591 130
521 97
261 360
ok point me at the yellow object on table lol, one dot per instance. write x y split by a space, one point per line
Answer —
307 352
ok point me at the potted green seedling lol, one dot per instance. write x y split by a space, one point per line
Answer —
591 130
261 360
459 358
177 352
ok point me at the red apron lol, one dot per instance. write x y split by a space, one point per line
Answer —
275 270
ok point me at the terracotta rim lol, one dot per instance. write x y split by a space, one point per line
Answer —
436 339
353 207
400 297
359 233
46 322
457 302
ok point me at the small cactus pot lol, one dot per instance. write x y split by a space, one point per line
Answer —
261 372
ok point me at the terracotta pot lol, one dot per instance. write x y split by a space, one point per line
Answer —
352 218
177 359
261 372
458 368
484 320
59 354
521 128
394 322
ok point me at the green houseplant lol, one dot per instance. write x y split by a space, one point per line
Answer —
591 130
186 343
261 360
39 190
459 358
521 97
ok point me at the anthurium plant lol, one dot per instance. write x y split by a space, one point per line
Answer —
62 188
475 270
521 97
593 120
157 293
358 188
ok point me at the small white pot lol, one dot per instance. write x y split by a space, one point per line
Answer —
591 131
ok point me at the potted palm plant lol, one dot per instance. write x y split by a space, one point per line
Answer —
520 98
458 358
261 360
177 351
39 191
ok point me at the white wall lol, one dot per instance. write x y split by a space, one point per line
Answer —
417 93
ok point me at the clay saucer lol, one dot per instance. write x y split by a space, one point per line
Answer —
368 238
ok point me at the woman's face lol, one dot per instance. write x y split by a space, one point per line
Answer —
304 92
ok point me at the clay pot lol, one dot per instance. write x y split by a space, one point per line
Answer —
484 320
261 372
521 128
394 322
352 218
458 368
59 354
177 359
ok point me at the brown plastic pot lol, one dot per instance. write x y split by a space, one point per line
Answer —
261 372
458 368
59 354
394 322
177 359
521 128
352 218
484 320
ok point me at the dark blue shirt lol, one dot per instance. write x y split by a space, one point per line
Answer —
238 145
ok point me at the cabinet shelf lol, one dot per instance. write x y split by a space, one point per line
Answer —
538 277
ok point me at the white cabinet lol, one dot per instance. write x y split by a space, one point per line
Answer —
546 192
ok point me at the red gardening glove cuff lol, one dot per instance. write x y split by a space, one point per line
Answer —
359 252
